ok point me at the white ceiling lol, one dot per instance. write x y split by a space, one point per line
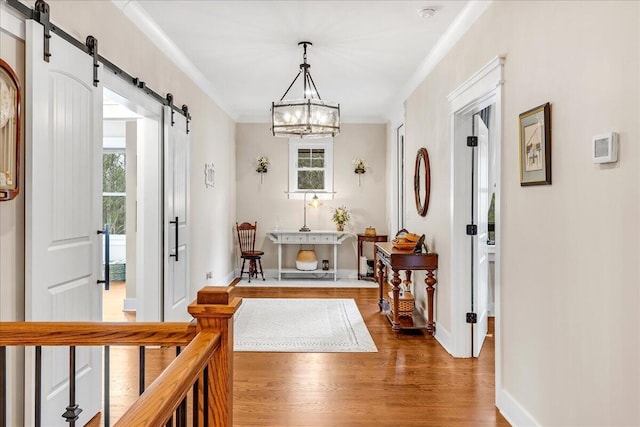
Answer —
365 54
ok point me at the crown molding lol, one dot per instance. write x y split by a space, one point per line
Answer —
141 19
463 22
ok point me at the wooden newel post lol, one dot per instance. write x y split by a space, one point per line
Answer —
214 309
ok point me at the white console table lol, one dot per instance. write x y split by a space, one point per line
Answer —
320 237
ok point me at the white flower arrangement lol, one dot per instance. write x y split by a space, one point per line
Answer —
360 165
341 215
263 162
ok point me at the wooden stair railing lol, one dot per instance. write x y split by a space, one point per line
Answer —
212 372
204 366
160 401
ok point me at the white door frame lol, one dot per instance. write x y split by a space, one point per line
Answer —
149 274
480 90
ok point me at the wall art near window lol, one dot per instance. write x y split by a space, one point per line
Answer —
9 132
208 175
535 146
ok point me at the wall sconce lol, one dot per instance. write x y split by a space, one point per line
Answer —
361 167
262 166
9 132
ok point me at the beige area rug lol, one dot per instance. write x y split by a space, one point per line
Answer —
323 325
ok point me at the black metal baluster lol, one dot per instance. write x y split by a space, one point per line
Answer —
195 403
181 412
73 410
107 384
205 396
141 371
3 386
38 390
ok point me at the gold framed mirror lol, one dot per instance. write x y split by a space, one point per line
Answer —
9 132
422 181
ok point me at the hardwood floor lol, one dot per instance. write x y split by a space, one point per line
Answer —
410 381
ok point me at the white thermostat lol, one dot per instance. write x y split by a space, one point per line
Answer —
605 148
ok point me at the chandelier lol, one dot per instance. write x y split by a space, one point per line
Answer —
307 117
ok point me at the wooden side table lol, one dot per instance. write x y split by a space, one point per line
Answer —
373 239
398 260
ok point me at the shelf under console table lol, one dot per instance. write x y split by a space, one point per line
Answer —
319 237
398 260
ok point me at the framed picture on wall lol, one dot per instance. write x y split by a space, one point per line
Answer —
535 146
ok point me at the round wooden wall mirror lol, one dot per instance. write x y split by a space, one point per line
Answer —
422 181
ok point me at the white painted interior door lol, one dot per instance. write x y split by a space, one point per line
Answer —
481 257
176 293
63 213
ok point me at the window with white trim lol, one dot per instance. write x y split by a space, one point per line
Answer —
114 190
310 166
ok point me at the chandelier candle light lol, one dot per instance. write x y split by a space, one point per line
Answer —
307 117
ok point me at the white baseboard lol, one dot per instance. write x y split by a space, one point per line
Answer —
229 277
342 273
129 304
513 412
443 336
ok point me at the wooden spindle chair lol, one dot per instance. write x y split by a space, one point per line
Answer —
247 242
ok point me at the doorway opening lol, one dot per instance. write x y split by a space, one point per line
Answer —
132 203
483 89
119 198
482 238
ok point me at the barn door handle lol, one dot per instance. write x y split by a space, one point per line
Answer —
106 257
176 248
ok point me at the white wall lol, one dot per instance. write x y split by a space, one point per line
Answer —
268 204
569 277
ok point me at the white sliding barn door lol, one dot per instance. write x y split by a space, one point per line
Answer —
63 213
176 292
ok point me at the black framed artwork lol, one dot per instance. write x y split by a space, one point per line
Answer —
535 146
